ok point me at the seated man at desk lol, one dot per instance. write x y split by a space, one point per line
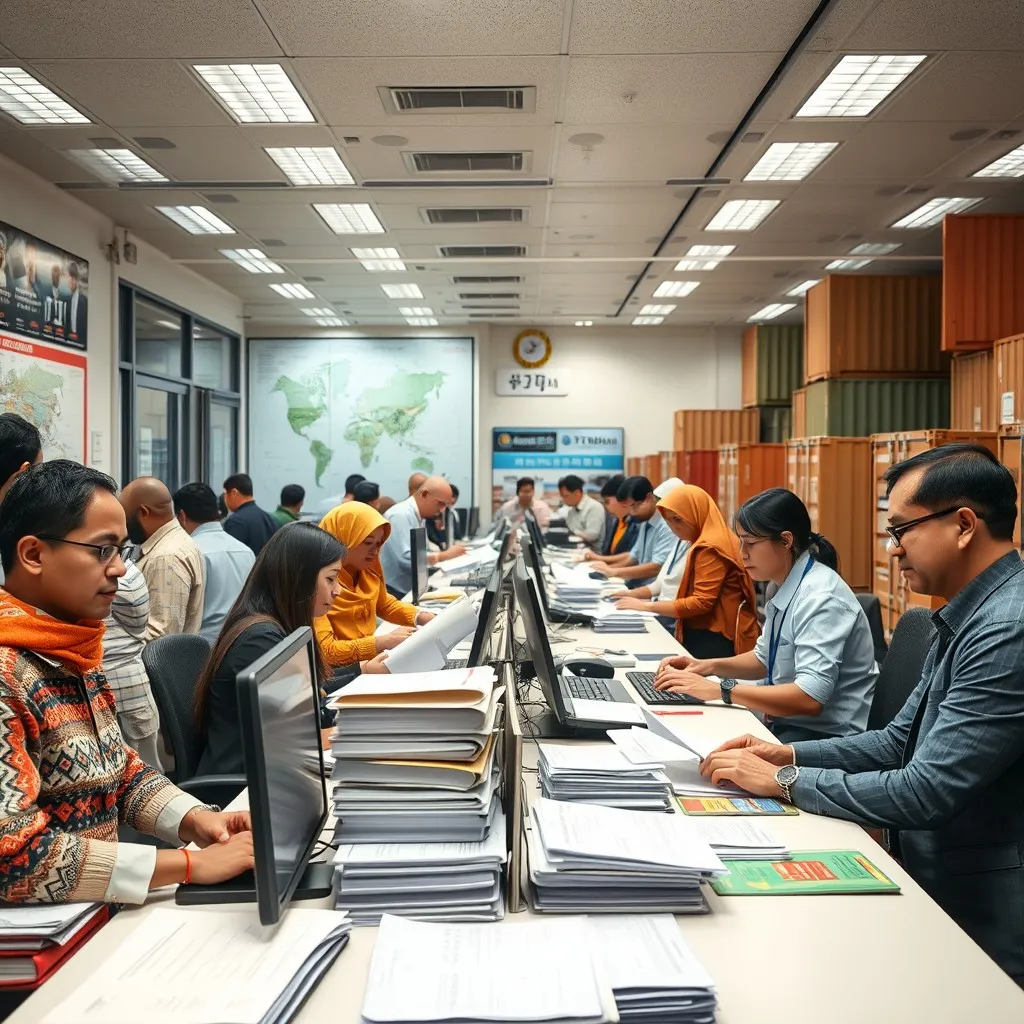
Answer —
585 516
514 510
947 774
654 542
63 541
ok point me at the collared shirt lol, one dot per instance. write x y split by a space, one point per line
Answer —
654 543
516 514
73 313
396 555
173 569
666 584
283 516
586 520
226 566
251 525
123 641
825 647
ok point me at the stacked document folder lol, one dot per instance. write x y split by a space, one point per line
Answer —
534 971
214 967
601 774
574 587
425 881
589 858
653 973
36 940
608 619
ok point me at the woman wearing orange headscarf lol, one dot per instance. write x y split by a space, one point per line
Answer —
715 607
346 632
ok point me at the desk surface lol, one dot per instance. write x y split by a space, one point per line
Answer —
775 960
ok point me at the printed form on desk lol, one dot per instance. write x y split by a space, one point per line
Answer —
209 967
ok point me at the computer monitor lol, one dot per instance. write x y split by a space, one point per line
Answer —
533 563
535 533
479 651
418 552
472 527
279 718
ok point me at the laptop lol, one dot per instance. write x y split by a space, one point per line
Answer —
579 706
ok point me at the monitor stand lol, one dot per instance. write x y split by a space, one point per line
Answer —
316 883
546 726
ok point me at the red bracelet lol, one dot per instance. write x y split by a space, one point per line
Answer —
188 865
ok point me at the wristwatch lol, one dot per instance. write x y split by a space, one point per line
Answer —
727 687
785 777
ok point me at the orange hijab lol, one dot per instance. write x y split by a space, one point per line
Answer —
352 523
78 645
698 509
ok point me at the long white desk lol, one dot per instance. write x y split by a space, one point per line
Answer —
775 960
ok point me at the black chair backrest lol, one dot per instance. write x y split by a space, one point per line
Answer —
901 670
174 665
873 610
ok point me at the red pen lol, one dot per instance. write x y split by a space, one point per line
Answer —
660 713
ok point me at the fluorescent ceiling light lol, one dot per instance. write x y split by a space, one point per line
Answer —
256 93
332 321
402 291
379 260
650 310
28 101
789 161
415 311
848 264
647 321
713 251
741 214
350 218
933 211
170 324
675 289
803 288
316 311
252 260
584 323
1009 166
292 290
421 321
857 84
116 165
311 165
770 312
874 248
196 220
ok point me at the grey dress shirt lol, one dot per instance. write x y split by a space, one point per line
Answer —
396 555
226 564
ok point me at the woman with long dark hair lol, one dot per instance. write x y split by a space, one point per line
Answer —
294 580
815 660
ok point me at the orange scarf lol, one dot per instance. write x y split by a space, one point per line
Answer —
78 645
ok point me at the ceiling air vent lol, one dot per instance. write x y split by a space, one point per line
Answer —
489 305
474 296
466 163
487 280
466 99
477 215
493 316
480 251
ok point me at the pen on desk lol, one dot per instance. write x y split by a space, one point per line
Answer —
661 714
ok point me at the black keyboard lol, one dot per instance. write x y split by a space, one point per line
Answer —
643 683
586 688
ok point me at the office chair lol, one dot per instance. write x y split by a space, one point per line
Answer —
901 670
174 664
873 610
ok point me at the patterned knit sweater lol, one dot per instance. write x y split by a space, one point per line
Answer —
66 780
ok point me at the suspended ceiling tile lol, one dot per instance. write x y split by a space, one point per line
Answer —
928 26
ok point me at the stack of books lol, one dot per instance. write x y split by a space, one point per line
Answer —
586 858
601 774
425 881
36 940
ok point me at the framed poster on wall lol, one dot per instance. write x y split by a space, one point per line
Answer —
546 454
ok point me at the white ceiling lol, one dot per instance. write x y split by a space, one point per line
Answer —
663 82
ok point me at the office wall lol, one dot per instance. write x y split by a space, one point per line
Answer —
29 203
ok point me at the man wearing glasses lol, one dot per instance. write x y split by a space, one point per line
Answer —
947 775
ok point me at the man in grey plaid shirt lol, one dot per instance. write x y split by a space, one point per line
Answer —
947 775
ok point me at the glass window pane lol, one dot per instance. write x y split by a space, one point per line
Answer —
223 454
155 415
158 334
211 359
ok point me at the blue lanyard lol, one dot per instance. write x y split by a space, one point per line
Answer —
775 635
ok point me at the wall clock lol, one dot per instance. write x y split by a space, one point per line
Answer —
532 348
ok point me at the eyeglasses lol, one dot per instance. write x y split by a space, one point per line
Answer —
104 552
896 532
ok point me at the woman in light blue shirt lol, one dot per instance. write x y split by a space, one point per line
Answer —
814 664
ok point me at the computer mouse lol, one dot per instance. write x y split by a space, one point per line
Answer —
594 667
598 576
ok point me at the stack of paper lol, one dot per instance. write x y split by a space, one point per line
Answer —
608 619
216 966
653 973
426 881
601 774
572 587
36 940
428 648
534 971
740 839
589 858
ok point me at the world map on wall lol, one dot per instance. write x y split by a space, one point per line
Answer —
322 409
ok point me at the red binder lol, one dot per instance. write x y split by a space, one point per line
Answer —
21 970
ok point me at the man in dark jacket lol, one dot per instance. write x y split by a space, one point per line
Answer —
247 522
